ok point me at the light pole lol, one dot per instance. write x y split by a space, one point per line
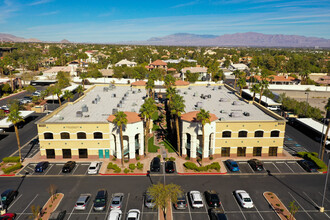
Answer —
326 182
321 141
307 93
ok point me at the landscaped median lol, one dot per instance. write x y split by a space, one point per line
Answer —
313 156
9 166
132 169
191 168
280 209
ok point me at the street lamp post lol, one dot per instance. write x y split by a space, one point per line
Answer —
321 141
307 93
326 182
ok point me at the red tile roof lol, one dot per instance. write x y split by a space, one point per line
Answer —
171 69
276 78
132 117
139 83
158 63
192 116
181 83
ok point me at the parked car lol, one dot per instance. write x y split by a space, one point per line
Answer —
212 198
244 199
57 215
196 199
155 165
256 165
217 214
41 166
133 214
169 167
181 203
232 165
307 165
82 201
115 214
8 216
148 200
116 200
36 93
5 108
34 141
101 200
68 166
94 168
7 197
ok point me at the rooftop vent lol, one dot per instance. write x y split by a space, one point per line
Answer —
221 119
134 92
189 88
235 103
61 118
120 105
86 116
185 93
220 87
113 95
223 100
114 111
84 108
235 114
98 98
134 104
179 90
195 94
79 114
105 89
215 88
247 114
139 90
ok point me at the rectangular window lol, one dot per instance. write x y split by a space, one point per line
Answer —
83 153
50 153
241 151
225 152
66 153
272 151
257 151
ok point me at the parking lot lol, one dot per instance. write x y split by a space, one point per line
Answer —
275 167
55 169
162 170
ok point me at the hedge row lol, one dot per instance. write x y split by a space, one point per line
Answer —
11 159
313 156
12 168
193 166
114 167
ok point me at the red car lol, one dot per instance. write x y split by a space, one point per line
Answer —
8 216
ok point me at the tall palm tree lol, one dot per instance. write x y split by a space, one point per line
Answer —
327 107
236 73
67 95
255 89
177 108
241 84
204 117
15 117
264 83
150 86
147 110
80 90
83 76
58 92
169 81
121 120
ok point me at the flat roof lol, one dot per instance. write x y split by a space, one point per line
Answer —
314 124
104 108
69 88
265 99
223 103
7 124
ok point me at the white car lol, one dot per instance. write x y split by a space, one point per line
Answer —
133 214
94 168
244 199
82 201
115 214
196 199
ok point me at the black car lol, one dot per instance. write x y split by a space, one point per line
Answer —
41 166
68 166
307 165
256 165
101 200
169 167
217 214
155 165
212 198
57 215
7 197
34 141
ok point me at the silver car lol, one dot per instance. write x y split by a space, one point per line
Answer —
148 201
116 200
82 201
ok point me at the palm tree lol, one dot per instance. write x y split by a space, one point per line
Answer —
67 95
327 107
80 90
204 117
255 89
177 107
147 110
58 92
120 120
169 81
83 76
264 83
15 117
150 86
241 84
236 73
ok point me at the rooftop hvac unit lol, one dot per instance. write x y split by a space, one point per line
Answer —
247 114
185 93
84 108
132 110
235 114
219 87
114 111
98 98
199 104
221 119
61 118
189 88
209 96
86 116
179 90
79 114
235 103
113 95
105 89
120 105
215 88
139 90
134 92
195 94
134 104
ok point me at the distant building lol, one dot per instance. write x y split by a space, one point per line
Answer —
279 80
324 80
202 71
52 72
91 56
238 66
126 62
157 64
180 60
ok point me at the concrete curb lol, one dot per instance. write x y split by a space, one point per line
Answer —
123 174
12 95
4 175
202 173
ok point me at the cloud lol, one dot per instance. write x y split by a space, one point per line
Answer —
40 2
49 13
186 4
8 9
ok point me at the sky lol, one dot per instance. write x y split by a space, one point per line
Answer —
109 21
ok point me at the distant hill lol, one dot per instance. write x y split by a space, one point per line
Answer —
249 39
12 38
65 41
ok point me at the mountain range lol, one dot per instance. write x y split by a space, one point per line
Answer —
249 39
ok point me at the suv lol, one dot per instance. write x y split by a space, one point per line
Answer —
68 166
101 200
57 215
196 199
116 201
41 166
7 197
256 165
181 202
148 200
307 165
217 214
115 214
133 214
94 168
212 198
8 216
155 165
82 202
169 167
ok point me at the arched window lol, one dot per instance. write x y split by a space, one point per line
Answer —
242 134
65 135
48 135
275 133
81 135
258 133
226 134
98 135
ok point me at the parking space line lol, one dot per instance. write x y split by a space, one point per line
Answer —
205 206
259 213
75 169
126 205
71 213
311 200
15 201
250 168
49 169
89 212
289 167
27 206
277 168
188 207
300 205
325 197
107 210
326 214
142 207
239 207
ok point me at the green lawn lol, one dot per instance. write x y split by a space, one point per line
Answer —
151 147
168 146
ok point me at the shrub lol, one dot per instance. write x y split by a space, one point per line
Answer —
126 161
171 159
12 168
110 165
137 157
126 170
11 159
193 166
139 166
312 156
211 158
159 156
278 204
114 159
117 170
199 160
187 158
132 166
